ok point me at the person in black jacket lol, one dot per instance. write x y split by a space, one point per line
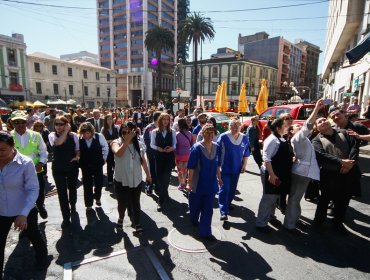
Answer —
93 154
65 146
337 155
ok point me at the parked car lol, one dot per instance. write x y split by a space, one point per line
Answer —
222 120
299 112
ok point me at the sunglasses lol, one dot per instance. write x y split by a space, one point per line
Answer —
59 124
19 122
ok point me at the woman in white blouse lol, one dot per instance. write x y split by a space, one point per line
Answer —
304 168
129 158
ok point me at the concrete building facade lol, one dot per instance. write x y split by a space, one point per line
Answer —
52 78
234 71
290 59
348 23
122 25
13 72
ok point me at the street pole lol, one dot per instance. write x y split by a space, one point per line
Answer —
108 93
65 96
83 93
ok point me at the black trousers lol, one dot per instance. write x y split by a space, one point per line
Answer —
334 188
32 232
151 159
128 198
257 156
66 184
163 170
91 177
41 198
110 166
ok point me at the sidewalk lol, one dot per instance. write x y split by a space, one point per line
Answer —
241 252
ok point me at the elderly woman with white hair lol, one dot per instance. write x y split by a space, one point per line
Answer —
234 155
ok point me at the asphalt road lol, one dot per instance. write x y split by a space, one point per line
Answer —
241 252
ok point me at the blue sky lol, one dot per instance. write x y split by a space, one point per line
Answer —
58 31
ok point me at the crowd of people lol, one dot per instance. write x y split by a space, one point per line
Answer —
153 140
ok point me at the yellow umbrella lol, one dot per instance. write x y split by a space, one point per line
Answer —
37 104
217 99
261 104
243 103
224 106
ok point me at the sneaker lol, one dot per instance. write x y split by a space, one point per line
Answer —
224 218
43 213
138 230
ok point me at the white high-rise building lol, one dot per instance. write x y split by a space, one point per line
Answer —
348 23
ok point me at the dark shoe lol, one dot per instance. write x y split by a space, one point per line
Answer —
138 230
293 231
43 213
65 224
231 207
98 203
224 218
159 208
265 229
43 263
148 191
119 223
275 222
211 238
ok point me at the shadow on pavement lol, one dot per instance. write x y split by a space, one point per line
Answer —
98 236
240 261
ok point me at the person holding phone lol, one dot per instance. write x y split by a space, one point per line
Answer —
129 158
277 157
305 168
66 152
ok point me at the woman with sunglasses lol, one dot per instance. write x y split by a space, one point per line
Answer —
129 158
110 132
66 151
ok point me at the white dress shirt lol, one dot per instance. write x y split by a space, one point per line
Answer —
164 133
103 144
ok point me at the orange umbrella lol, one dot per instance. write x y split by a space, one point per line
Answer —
243 103
261 104
223 106
217 99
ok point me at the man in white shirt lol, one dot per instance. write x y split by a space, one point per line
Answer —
96 120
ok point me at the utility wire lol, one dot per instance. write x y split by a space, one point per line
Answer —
211 11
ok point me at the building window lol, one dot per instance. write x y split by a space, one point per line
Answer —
98 91
253 72
70 89
13 76
234 71
70 73
97 77
38 88
137 61
108 77
214 87
233 86
85 74
37 67
86 91
12 57
214 72
56 89
54 69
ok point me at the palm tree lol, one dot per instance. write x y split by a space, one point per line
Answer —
159 39
196 28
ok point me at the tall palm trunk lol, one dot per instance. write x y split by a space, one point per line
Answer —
159 54
195 91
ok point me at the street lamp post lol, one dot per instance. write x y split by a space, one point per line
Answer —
108 94
65 95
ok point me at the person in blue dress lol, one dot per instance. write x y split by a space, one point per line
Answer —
204 179
235 151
